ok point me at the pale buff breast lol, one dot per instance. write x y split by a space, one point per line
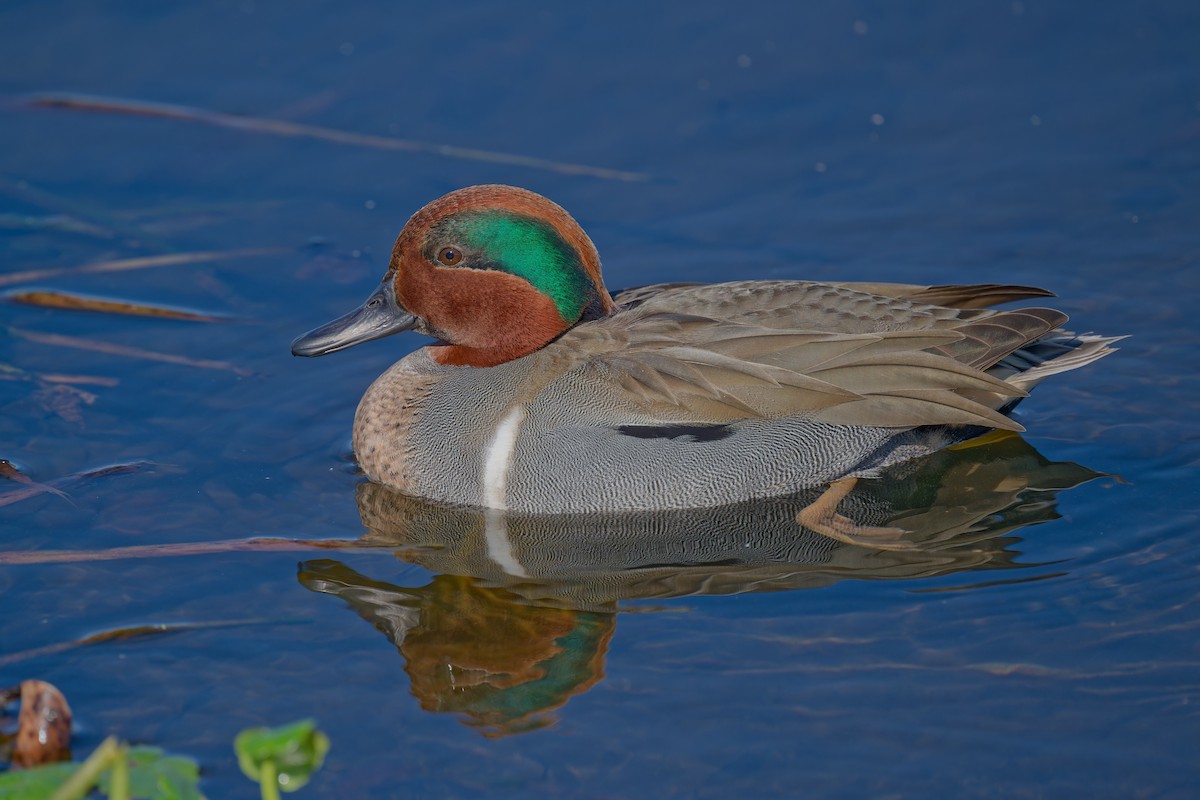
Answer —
440 432
382 438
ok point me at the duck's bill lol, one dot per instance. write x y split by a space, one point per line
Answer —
379 316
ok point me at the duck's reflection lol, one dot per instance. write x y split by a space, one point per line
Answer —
521 609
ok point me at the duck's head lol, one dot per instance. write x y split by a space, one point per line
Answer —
493 272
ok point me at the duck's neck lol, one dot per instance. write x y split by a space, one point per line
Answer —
502 335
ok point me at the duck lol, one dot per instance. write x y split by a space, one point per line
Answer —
542 393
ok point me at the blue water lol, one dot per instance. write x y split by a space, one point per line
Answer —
1045 143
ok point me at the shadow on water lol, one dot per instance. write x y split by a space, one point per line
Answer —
521 609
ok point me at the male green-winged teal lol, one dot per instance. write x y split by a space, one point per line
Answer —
544 394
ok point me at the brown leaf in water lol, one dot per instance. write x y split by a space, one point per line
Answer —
144 262
64 400
276 127
78 302
44 726
109 348
9 470
56 393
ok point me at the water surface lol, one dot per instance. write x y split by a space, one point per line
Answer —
1043 643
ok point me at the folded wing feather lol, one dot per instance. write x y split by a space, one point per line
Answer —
721 370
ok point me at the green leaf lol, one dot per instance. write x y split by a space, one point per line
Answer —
177 779
36 783
159 777
296 751
152 776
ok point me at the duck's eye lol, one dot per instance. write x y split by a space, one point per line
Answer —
450 256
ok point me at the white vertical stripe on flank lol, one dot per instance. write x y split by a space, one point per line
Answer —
496 464
498 460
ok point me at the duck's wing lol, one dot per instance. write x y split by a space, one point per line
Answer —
976 295
781 348
636 295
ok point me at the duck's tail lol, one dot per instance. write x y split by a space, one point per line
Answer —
1057 351
1022 347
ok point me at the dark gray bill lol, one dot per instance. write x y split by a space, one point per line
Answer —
379 316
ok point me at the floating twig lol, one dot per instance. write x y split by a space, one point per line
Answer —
143 262
277 127
125 634
85 380
258 545
79 302
33 489
8 372
61 223
125 351
131 235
